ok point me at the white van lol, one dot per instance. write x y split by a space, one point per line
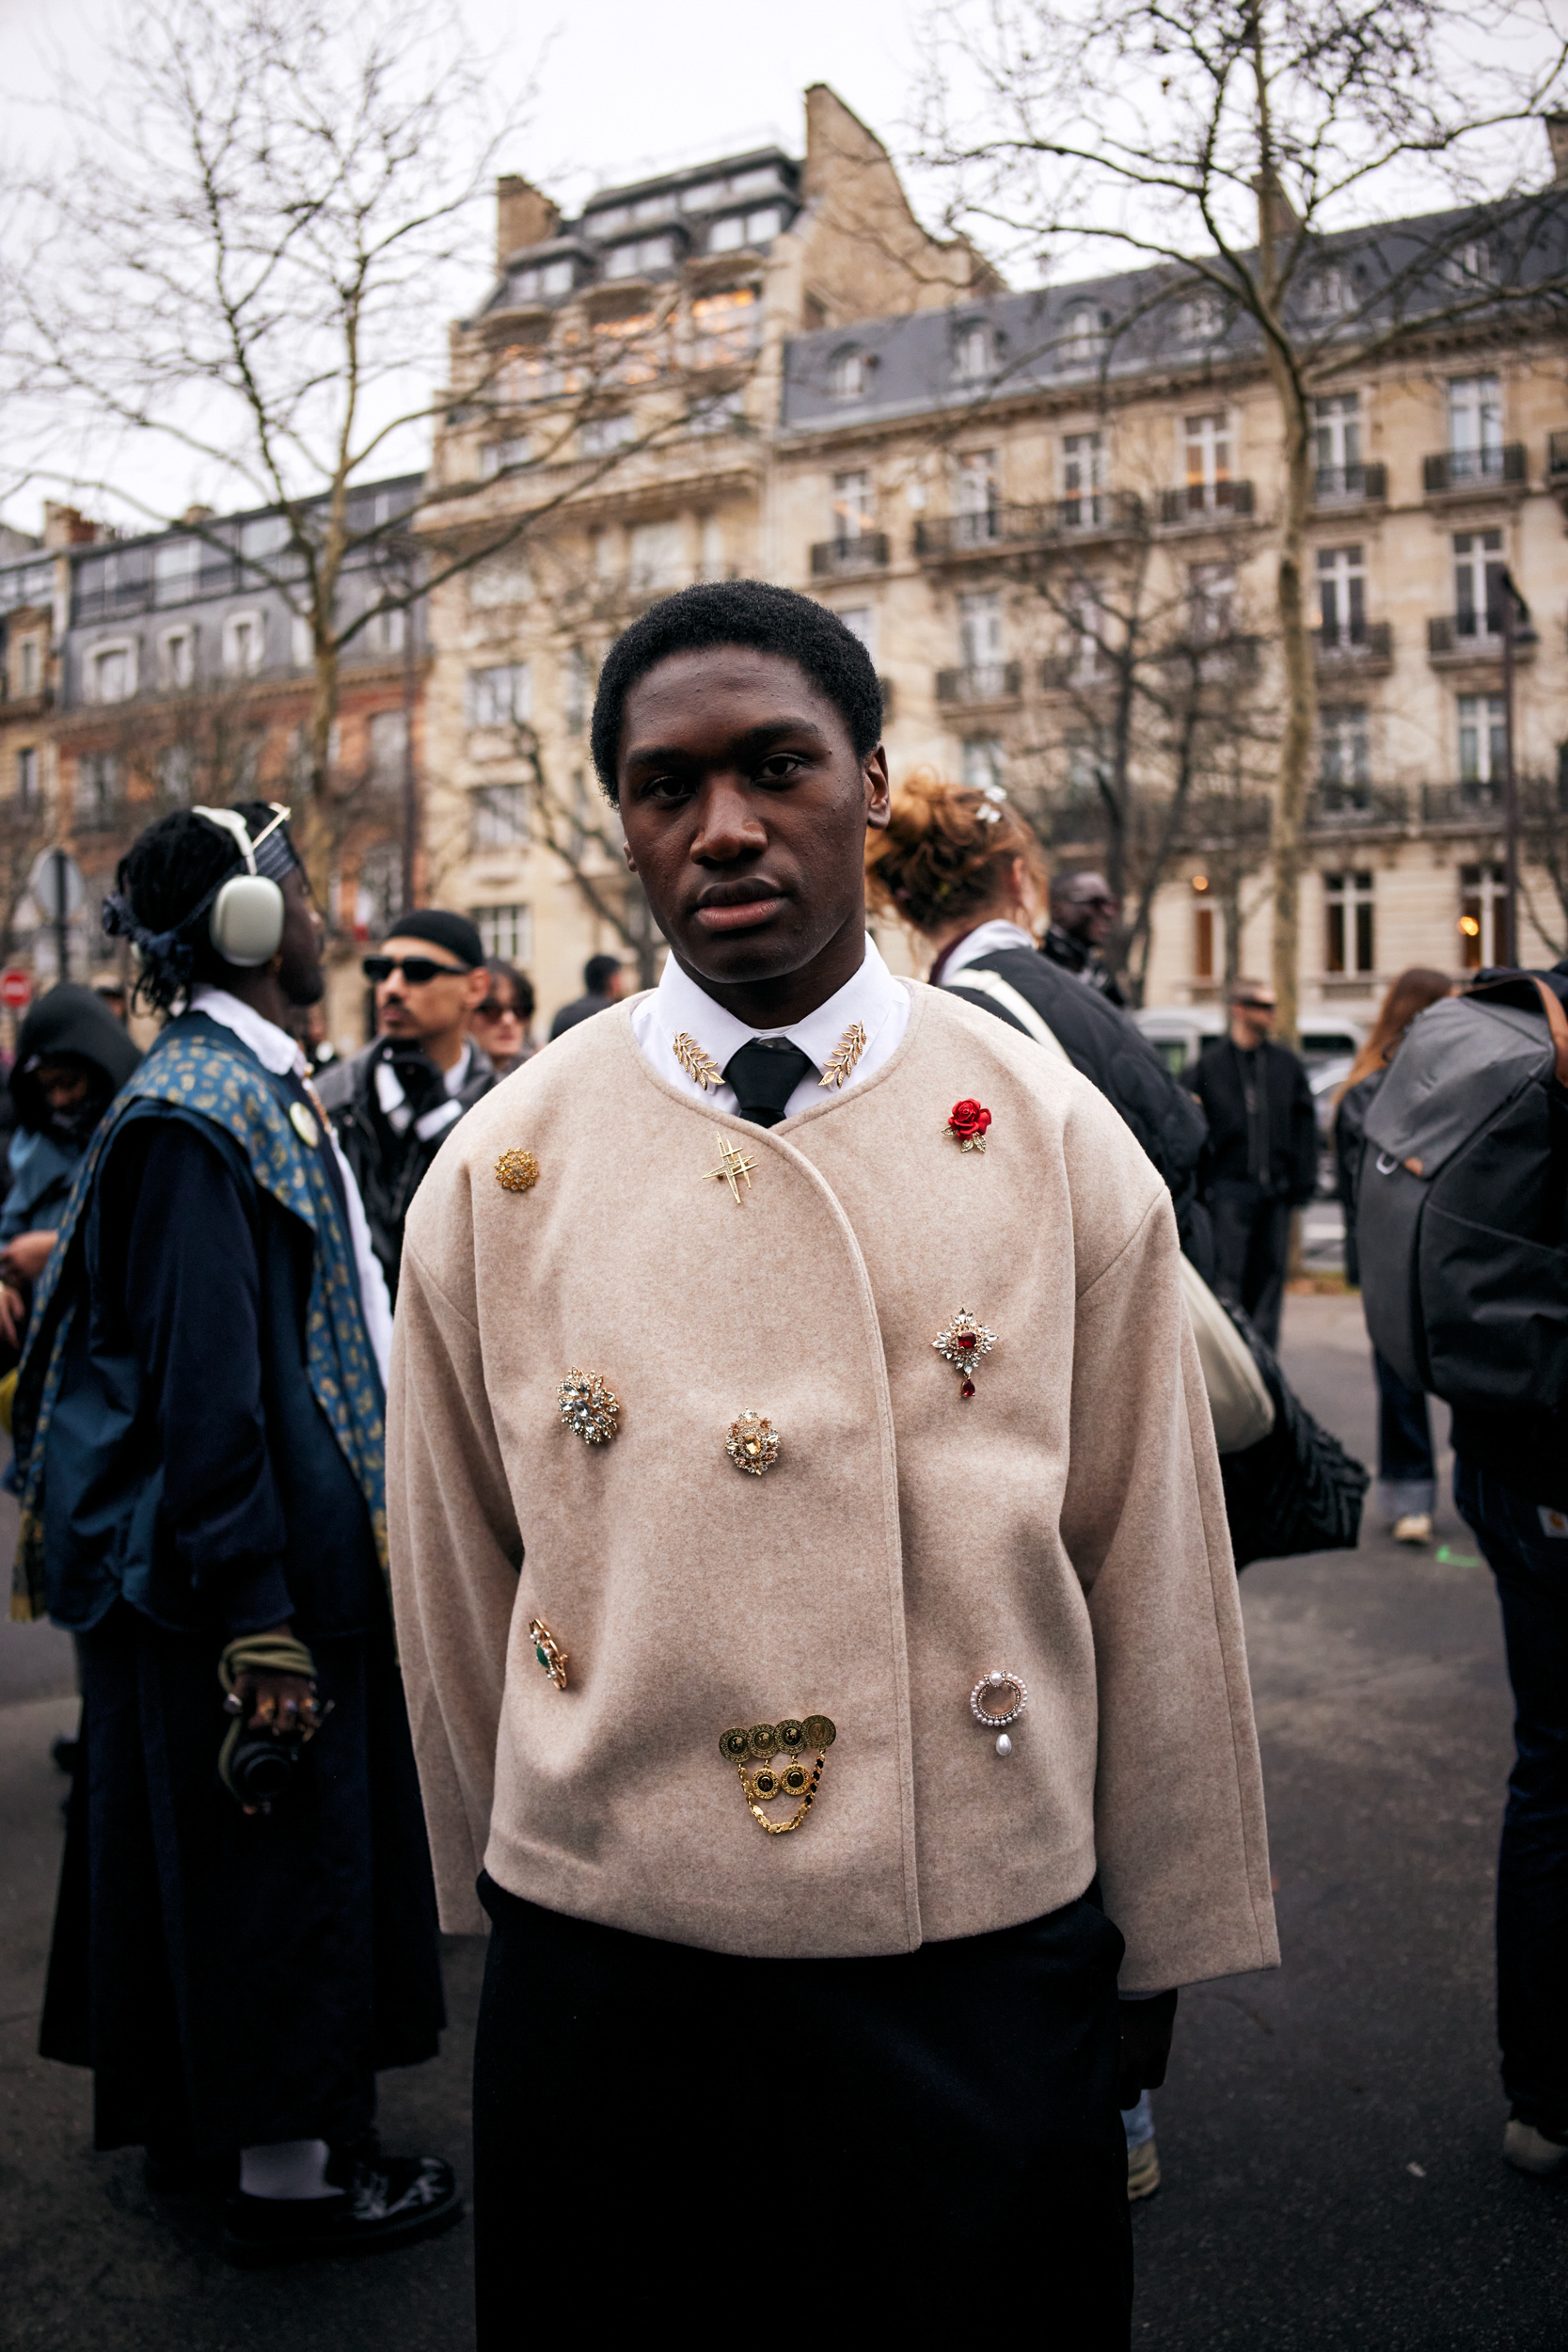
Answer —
1179 1034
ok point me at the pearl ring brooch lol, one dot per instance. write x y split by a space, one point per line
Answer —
1007 1699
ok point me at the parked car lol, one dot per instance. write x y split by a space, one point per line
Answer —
1179 1034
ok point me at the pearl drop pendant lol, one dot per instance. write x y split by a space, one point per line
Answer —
1004 1745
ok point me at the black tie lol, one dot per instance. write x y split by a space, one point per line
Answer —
764 1073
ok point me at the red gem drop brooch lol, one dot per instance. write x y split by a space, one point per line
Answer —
963 1343
967 1122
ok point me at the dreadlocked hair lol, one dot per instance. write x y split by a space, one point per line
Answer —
163 879
947 851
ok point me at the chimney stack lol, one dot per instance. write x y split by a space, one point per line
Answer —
66 526
523 216
1557 134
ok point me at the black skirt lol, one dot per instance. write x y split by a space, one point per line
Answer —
793 2146
234 1982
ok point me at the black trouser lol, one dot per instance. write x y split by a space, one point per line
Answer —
1406 1466
922 2139
1252 1243
1527 1549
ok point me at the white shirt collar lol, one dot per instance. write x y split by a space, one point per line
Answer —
873 997
986 939
273 1047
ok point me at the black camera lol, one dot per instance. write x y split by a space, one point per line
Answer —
260 1770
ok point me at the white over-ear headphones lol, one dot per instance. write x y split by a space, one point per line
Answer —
245 925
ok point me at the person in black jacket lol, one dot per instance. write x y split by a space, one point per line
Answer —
602 982
1261 1158
967 873
1084 912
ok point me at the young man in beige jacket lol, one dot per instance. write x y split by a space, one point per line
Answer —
813 1586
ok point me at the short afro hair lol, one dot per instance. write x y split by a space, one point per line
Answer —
739 612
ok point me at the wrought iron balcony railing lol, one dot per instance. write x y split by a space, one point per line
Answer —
1348 808
1206 501
1370 645
1472 469
1350 486
839 558
981 682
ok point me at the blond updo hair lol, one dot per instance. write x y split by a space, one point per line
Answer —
947 851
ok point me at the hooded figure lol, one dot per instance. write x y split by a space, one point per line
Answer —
69 1036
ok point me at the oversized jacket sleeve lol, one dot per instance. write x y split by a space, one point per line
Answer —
448 1499
1179 1834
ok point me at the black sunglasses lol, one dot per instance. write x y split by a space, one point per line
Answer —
416 970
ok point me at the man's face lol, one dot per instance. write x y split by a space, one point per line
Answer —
415 1010
299 951
1252 1017
745 810
63 1084
1086 908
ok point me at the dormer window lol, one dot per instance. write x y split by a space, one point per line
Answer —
1202 318
745 229
849 373
641 258
1323 296
973 351
541 281
1086 336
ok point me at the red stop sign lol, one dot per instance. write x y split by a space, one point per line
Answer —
16 990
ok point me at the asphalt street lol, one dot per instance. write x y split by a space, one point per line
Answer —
1329 2134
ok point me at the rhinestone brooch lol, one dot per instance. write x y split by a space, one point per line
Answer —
547 1651
517 1171
589 1406
963 1343
1008 1699
753 1444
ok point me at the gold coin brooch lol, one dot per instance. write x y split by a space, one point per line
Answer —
517 1171
754 1753
589 1406
753 1444
548 1651
963 1343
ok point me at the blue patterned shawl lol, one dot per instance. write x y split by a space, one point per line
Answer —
202 1069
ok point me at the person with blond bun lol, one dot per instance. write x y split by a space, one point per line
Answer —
1406 1464
959 867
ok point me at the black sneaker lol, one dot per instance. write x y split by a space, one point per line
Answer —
390 2203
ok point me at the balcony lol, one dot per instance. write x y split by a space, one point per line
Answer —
1467 473
1556 458
1206 503
1364 647
1356 807
981 682
1463 803
842 559
1464 639
1350 486
1098 513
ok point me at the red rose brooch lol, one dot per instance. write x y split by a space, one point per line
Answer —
967 1122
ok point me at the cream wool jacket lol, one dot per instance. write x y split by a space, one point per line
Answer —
1066 1523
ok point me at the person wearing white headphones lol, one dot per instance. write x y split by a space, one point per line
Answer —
247 1928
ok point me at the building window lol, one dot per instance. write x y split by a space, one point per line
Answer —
738 229
852 515
1085 647
1086 770
1349 937
389 743
177 657
177 774
543 279
1345 745
601 435
505 932
1087 337
1478 583
1336 439
1203 930
1483 916
1475 427
302 642
658 554
1207 440
499 457
1323 295
499 817
984 763
1482 738
176 571
639 258
1202 317
713 548
861 622
725 328
96 791
974 352
28 776
245 644
1473 265
578 688
501 696
378 889
1083 478
112 673
503 577
980 649
848 372
384 633
1210 600
1342 596
974 498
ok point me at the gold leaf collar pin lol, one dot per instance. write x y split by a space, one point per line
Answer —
699 1067
846 1054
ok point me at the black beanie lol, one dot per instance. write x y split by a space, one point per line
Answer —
443 928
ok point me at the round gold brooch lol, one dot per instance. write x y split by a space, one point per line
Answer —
753 1444
517 1171
589 1406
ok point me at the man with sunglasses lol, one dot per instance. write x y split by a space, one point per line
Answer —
1261 1157
1084 912
394 1104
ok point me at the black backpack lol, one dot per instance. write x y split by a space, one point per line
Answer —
1462 1200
